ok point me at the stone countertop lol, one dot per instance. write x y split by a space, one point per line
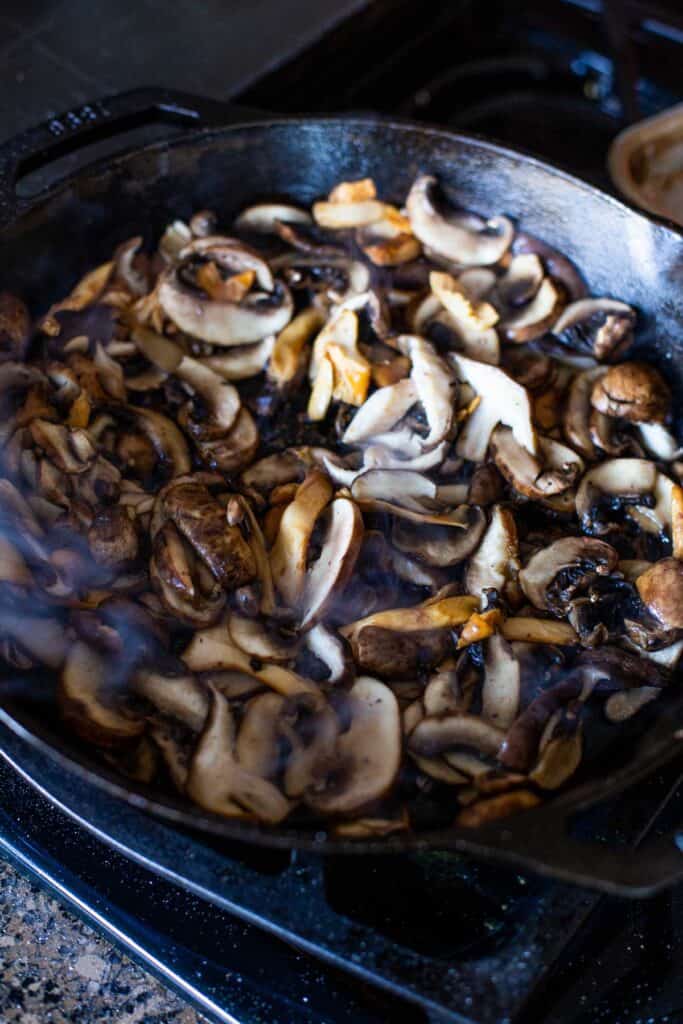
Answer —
55 969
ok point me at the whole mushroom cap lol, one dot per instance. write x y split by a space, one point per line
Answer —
661 589
632 391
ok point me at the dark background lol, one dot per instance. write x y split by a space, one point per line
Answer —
57 54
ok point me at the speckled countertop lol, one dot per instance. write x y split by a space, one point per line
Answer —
55 969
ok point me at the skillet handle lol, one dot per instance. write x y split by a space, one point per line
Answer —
102 119
655 863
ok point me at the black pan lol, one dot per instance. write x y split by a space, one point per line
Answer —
230 159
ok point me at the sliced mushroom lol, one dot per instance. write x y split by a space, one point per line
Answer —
329 574
440 546
577 414
90 705
495 564
252 637
218 783
291 344
178 696
609 485
465 239
632 391
469 744
555 573
500 694
264 218
328 647
502 400
289 556
213 650
381 411
539 631
602 328
554 472
661 591
225 322
434 384
536 317
623 705
368 754
242 361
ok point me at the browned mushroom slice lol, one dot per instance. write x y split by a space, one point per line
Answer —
602 328
192 596
42 639
172 743
289 556
180 697
555 573
536 317
632 391
495 563
236 449
367 756
91 707
502 683
616 481
71 451
273 470
201 519
406 488
556 264
328 575
661 591
168 442
219 400
218 783
311 729
389 241
464 238
539 631
397 641
438 545
374 826
502 400
553 472
212 650
291 345
495 807
113 537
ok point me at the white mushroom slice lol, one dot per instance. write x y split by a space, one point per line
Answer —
257 747
590 555
495 563
253 638
368 753
441 696
233 256
289 555
667 657
659 441
263 218
462 237
381 411
329 574
401 486
382 455
501 690
242 362
435 386
328 647
219 784
180 697
534 319
340 215
553 472
174 239
502 400
619 478
213 650
473 341
577 416
322 390
220 396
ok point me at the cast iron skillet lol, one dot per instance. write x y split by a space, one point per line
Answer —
231 159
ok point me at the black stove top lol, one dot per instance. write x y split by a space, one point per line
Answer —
254 936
